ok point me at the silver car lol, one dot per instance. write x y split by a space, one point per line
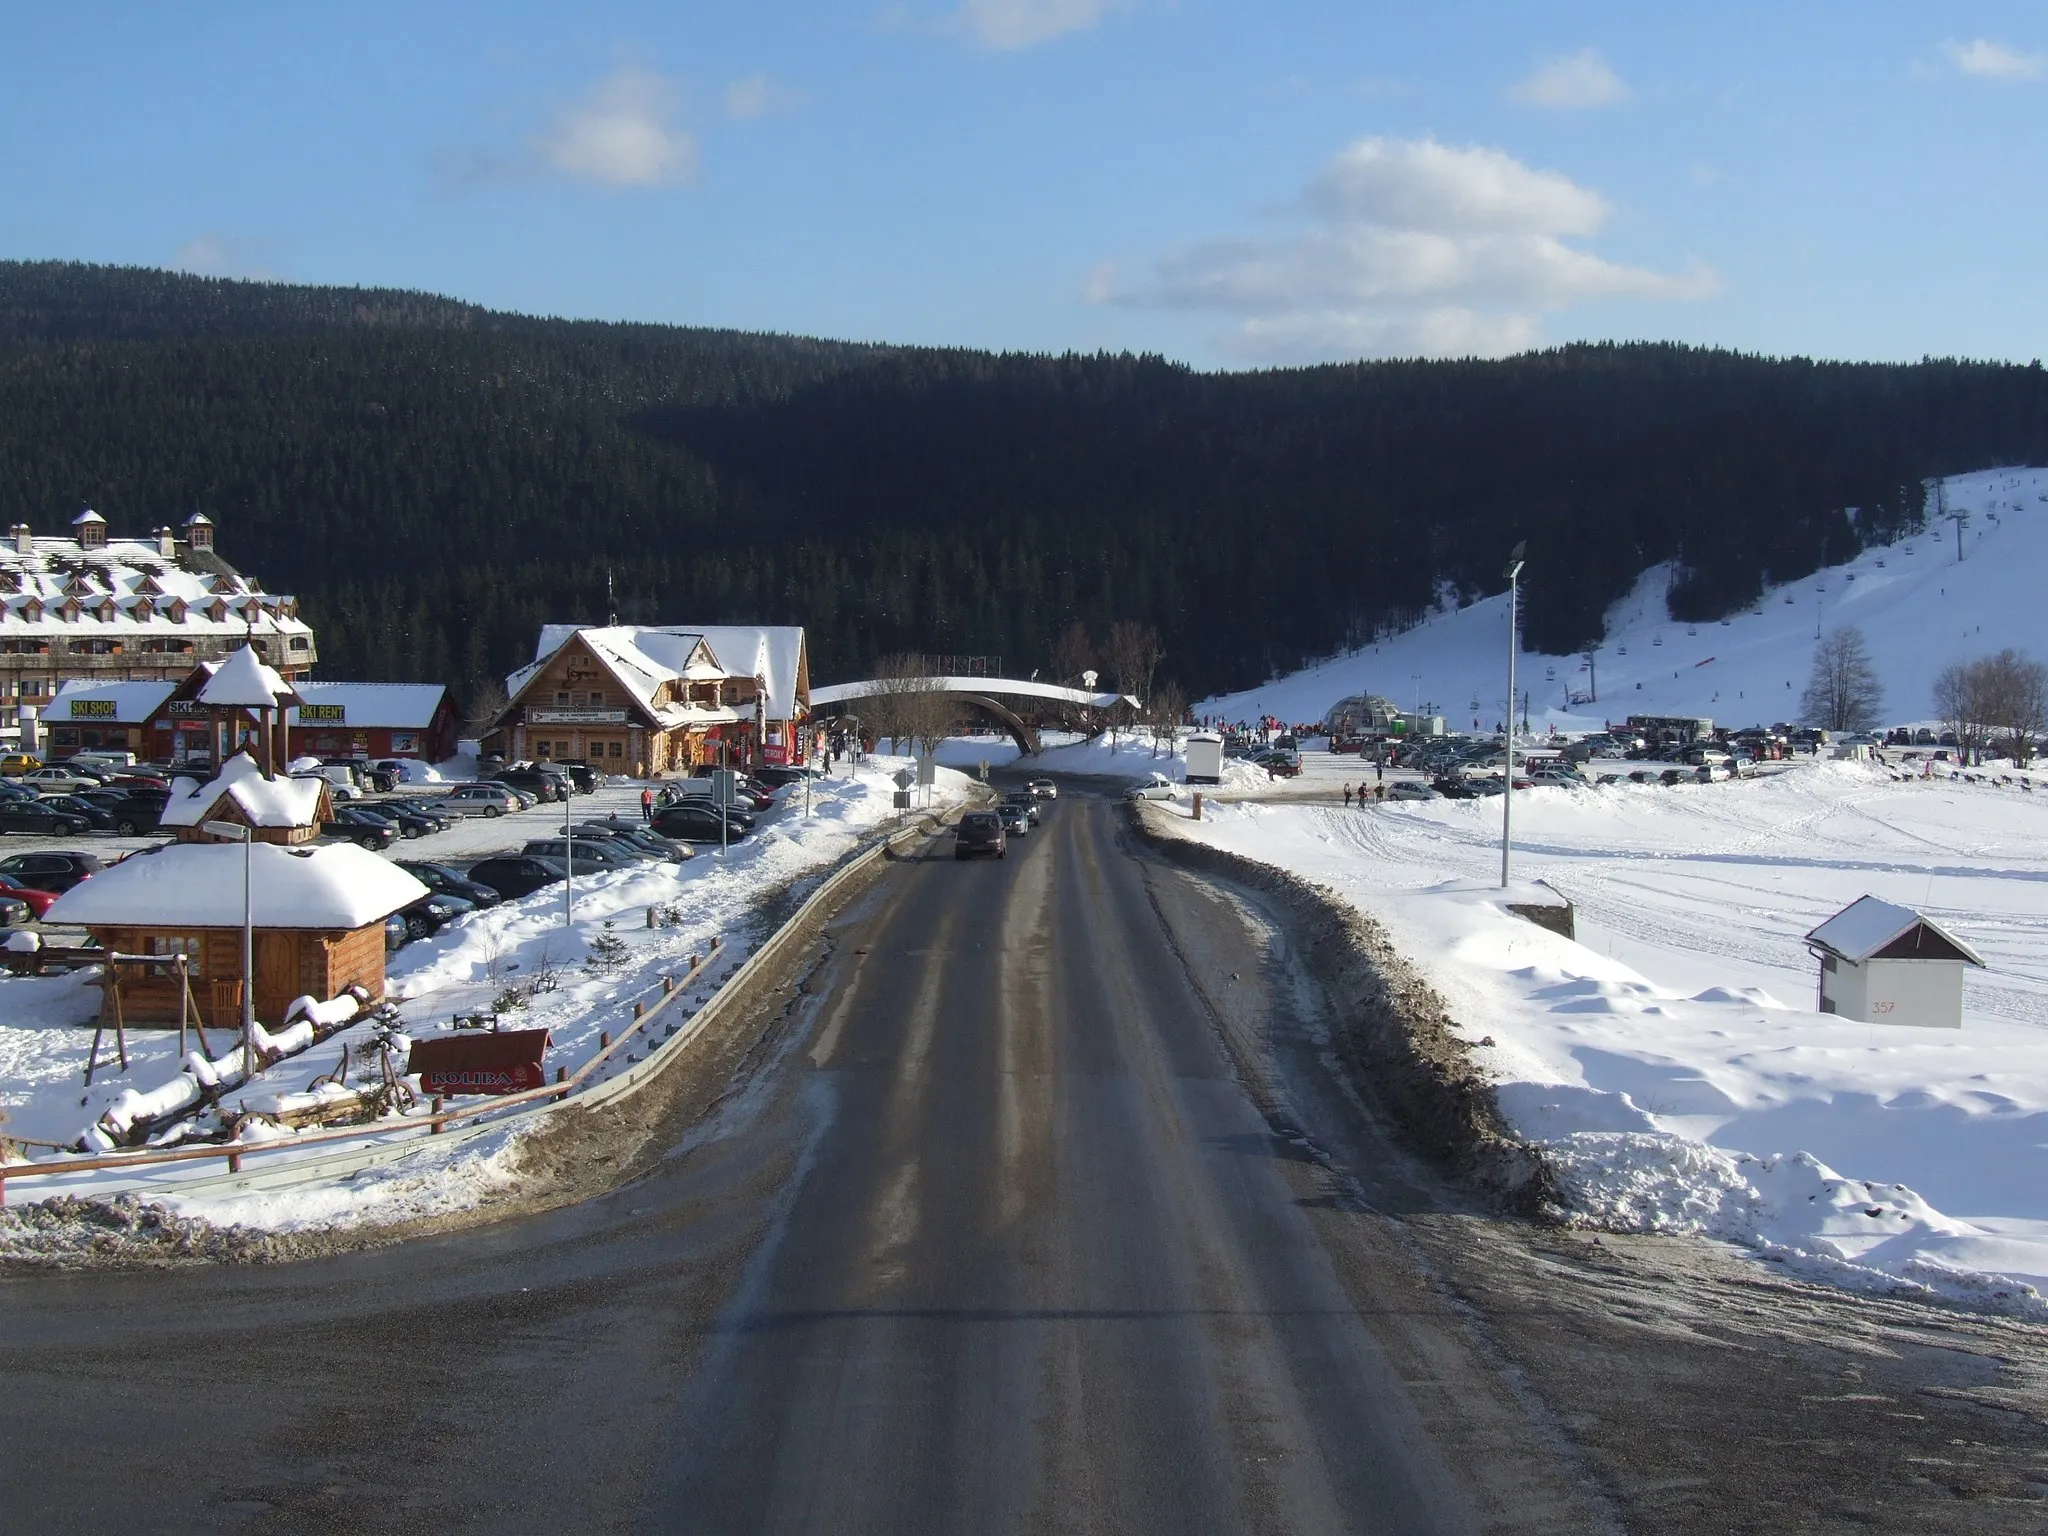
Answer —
478 800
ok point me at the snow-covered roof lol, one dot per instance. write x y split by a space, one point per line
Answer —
133 703
328 888
124 587
398 706
774 653
242 681
1867 926
280 802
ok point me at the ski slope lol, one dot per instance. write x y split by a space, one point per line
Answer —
1918 608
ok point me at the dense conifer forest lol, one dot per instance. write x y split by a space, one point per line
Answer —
435 480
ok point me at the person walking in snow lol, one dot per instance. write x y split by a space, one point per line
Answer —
1347 797
647 805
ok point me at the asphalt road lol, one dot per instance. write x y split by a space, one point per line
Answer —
1035 1210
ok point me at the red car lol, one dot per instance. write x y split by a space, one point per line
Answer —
39 902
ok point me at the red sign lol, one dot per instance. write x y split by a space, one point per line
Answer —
480 1061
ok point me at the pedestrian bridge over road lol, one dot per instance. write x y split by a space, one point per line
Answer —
985 694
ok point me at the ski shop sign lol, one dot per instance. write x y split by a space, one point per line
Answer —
480 1062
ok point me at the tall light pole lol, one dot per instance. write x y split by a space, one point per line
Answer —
234 832
1507 799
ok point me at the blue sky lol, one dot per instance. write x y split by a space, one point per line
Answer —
1236 185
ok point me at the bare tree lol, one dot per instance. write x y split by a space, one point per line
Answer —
1133 653
2016 706
909 705
485 705
1959 704
1166 714
1073 653
2001 698
1843 693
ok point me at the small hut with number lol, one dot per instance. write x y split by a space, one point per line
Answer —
1885 964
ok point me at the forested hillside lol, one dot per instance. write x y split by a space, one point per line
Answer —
436 480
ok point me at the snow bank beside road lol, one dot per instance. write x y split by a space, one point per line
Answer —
1671 1063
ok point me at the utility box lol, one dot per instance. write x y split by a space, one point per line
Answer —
1884 964
1205 758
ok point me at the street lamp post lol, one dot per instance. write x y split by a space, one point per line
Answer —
1507 799
234 832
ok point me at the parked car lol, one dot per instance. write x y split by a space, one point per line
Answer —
95 816
338 792
981 834
366 773
637 837
1044 789
582 856
395 933
582 774
429 811
14 764
1409 789
478 800
133 811
40 818
513 875
1672 776
776 775
1455 786
36 899
535 783
152 783
431 913
698 821
360 827
60 781
56 872
609 837
410 823
451 882
14 789
1158 787
14 912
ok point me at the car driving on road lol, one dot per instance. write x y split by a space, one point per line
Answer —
981 835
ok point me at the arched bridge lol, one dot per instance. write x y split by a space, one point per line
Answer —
985 694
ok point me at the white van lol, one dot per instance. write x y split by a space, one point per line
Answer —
99 759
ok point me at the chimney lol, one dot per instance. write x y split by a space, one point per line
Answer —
166 541
24 541
91 529
199 531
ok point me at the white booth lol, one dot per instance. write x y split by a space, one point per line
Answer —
1883 964
1205 758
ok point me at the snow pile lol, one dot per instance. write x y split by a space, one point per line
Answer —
1918 608
1130 757
1672 1060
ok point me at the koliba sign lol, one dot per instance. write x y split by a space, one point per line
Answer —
480 1061
576 716
323 714
92 709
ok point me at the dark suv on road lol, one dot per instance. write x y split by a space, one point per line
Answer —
981 833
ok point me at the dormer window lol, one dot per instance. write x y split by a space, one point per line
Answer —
32 610
10 581
145 608
108 611
177 610
80 585
217 610
224 584
148 587
70 610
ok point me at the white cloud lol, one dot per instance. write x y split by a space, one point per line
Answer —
758 96
1993 61
1421 184
217 253
620 134
1004 25
1573 81
1408 246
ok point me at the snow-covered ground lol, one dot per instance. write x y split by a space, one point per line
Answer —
1918 608
1129 757
1672 1061
44 1035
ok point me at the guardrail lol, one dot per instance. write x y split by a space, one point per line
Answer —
493 1114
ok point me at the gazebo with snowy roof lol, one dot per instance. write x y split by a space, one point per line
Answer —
1885 964
244 684
320 910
